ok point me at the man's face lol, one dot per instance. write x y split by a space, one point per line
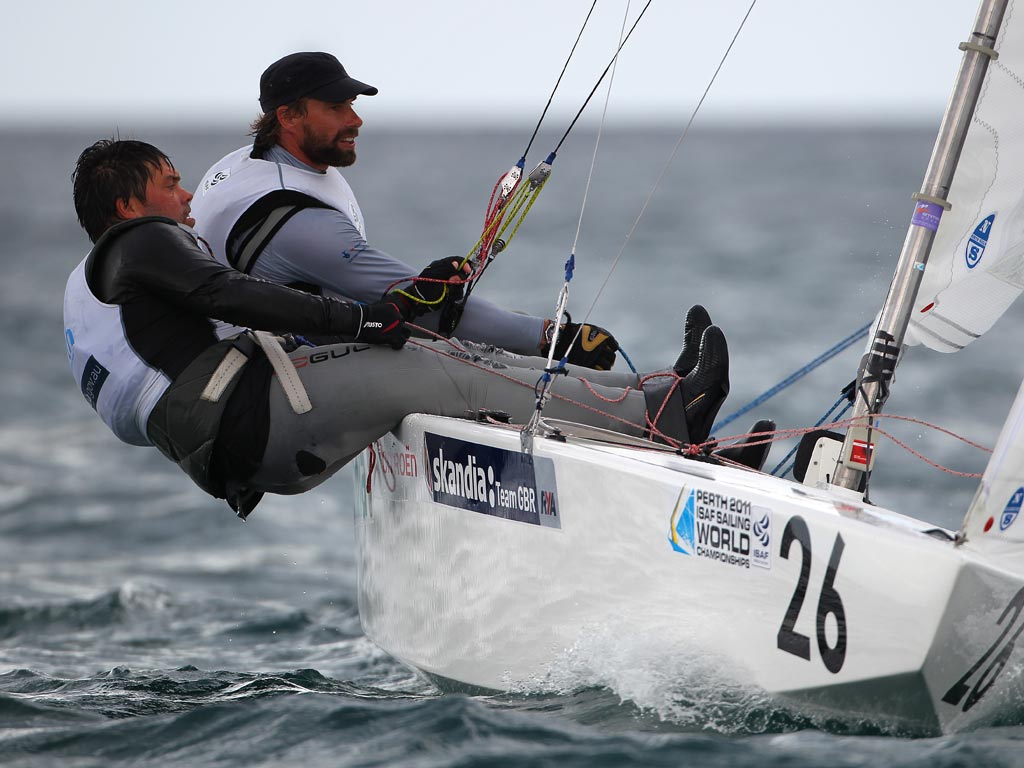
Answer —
329 133
164 197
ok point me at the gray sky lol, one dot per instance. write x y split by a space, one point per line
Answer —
87 61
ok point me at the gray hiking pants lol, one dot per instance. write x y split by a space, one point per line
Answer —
360 392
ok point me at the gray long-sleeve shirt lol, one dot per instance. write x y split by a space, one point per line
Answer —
325 248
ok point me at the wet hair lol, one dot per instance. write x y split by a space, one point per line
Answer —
108 171
266 129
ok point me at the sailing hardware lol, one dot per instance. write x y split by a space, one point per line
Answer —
542 389
895 317
516 199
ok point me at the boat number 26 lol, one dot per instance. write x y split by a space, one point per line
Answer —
829 602
1005 647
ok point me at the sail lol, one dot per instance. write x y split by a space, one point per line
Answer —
992 522
976 266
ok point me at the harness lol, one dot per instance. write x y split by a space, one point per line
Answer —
256 227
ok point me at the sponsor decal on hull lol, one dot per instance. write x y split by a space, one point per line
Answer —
491 481
728 529
393 460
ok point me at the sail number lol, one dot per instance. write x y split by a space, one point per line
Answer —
829 602
987 678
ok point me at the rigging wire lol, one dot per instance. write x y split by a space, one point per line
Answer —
671 157
505 190
560 307
545 381
824 357
559 80
605 72
515 200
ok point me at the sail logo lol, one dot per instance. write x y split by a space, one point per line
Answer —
491 481
978 241
728 529
1011 510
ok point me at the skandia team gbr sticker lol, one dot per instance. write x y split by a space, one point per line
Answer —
1011 510
728 529
492 481
978 241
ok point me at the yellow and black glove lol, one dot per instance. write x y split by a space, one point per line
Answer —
432 289
595 348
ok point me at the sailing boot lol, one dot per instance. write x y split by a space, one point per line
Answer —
753 456
688 405
697 319
707 385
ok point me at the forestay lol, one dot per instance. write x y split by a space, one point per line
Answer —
976 267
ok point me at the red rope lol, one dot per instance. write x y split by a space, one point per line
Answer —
369 471
697 448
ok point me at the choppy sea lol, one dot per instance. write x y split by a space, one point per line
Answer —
141 623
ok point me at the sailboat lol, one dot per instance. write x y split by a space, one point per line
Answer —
483 557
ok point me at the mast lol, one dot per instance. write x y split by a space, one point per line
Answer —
878 364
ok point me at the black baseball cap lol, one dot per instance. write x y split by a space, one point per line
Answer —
307 74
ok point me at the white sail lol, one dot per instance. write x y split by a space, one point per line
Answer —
991 523
976 267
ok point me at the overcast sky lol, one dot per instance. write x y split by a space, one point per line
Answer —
100 61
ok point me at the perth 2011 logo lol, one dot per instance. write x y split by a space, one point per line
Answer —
728 529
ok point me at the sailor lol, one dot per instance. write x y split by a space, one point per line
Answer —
280 209
160 343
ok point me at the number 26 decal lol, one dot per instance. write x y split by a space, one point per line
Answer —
960 688
829 602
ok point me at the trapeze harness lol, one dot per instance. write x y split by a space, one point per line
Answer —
239 217
158 377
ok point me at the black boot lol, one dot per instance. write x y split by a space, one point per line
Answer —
753 456
691 408
707 385
697 320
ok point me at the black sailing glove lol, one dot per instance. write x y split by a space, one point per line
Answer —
425 295
381 323
595 348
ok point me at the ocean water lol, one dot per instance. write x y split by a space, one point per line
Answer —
142 624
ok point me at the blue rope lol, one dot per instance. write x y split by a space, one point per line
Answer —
827 417
796 376
628 361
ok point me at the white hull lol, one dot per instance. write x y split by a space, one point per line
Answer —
906 618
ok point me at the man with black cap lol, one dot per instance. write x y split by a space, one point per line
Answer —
280 209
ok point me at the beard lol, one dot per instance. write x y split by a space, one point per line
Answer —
326 151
